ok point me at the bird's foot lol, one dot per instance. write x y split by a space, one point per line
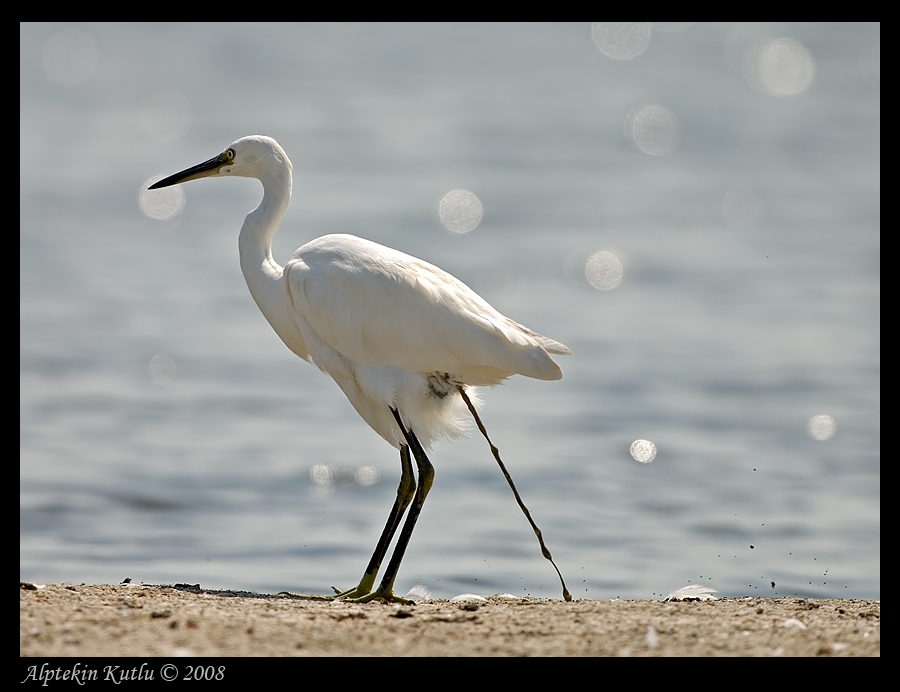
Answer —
351 595
384 595
305 597
356 595
363 594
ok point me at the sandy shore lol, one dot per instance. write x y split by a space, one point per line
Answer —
138 620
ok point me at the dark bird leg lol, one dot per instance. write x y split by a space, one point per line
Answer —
405 492
426 478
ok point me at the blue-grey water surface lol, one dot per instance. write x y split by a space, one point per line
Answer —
749 303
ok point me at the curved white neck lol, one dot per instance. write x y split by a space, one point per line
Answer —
261 272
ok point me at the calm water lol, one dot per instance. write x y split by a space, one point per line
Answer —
744 209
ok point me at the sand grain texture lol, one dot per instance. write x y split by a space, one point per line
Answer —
139 620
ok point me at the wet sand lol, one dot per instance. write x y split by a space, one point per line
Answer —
139 620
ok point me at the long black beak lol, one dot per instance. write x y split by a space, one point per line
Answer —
201 170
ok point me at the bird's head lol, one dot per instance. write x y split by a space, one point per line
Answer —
255 156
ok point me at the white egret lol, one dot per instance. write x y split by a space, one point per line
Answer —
404 340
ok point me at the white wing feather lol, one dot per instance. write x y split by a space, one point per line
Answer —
378 306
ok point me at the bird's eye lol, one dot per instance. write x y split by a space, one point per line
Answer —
229 154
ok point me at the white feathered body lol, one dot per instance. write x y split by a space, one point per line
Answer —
393 330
